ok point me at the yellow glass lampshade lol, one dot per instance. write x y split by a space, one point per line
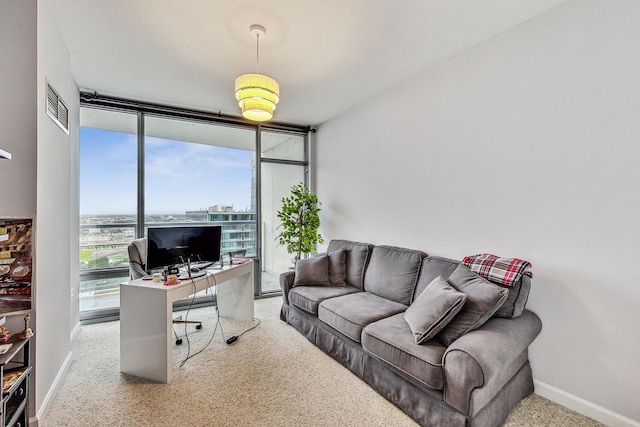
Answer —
257 96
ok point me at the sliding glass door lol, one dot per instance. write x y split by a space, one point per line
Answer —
283 165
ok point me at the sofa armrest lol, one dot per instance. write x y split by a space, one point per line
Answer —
487 358
286 283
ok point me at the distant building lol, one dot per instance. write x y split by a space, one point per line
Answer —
197 216
238 227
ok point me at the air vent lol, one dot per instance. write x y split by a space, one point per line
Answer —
57 109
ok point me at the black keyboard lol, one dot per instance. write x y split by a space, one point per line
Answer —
197 266
197 272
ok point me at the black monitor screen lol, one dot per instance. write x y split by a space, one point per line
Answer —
174 245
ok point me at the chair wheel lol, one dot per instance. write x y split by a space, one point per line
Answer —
198 326
179 341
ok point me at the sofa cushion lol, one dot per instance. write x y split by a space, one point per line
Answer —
357 258
393 272
338 267
391 341
433 309
483 300
349 314
312 271
517 300
431 268
308 298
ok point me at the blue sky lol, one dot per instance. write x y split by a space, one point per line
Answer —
179 176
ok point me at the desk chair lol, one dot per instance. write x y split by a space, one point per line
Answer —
138 269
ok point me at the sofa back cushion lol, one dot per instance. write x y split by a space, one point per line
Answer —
393 272
517 299
433 267
356 260
338 267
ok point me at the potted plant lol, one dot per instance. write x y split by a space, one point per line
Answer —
299 221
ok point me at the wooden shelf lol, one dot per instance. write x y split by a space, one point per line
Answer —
18 343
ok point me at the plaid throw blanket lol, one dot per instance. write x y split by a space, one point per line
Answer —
505 271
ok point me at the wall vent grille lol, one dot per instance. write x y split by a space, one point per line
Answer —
57 109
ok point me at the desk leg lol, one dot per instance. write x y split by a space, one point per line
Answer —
145 334
235 297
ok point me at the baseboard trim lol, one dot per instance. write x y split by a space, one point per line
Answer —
53 390
584 407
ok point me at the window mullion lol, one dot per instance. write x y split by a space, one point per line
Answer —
140 211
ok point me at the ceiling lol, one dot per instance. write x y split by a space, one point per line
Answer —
328 56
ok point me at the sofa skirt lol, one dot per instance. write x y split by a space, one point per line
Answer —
426 407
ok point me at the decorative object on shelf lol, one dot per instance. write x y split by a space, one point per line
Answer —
300 221
16 262
256 93
5 347
27 330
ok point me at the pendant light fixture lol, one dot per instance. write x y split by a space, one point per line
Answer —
256 93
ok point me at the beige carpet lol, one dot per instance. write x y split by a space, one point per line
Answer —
271 376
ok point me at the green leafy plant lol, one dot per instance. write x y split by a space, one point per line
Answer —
300 221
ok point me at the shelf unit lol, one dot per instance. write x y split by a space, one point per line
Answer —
15 369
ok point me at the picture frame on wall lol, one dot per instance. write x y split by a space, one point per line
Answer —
16 265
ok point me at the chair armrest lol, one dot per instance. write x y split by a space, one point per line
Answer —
487 358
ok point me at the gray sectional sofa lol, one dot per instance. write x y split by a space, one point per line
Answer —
465 364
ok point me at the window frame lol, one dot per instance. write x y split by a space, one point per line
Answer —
142 110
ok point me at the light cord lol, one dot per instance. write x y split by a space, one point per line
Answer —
257 53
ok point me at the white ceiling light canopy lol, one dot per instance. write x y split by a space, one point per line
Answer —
257 94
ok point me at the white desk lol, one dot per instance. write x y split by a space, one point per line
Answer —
146 318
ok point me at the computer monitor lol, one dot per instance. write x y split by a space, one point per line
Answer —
168 246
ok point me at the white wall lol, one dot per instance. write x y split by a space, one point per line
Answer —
57 223
527 146
17 106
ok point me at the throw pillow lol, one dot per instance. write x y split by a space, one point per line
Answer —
312 271
483 299
433 309
338 267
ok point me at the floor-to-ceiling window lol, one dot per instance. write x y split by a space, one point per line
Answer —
143 167
108 200
201 173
